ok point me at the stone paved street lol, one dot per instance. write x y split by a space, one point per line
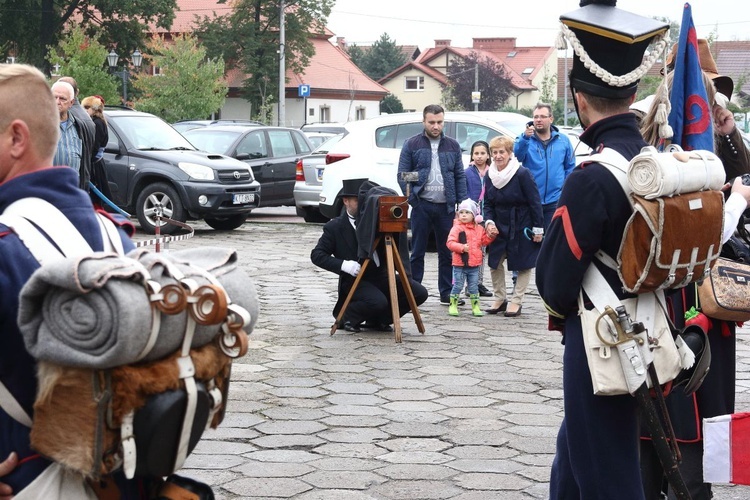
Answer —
467 411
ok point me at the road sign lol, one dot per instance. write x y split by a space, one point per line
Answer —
303 90
475 97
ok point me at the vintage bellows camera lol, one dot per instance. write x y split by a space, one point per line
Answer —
393 214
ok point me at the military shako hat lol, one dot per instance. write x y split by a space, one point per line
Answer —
609 46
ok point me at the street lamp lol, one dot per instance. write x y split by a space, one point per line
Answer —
112 58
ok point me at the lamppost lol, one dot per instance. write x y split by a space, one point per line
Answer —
136 59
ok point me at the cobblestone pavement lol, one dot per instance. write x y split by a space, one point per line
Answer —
467 411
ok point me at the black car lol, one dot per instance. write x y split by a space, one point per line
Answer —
271 152
152 169
185 125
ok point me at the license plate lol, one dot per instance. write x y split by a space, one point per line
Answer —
243 198
320 174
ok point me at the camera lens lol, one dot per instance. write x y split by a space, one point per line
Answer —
397 212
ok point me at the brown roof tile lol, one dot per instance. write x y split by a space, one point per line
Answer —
331 69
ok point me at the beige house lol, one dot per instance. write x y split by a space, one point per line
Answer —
532 70
338 90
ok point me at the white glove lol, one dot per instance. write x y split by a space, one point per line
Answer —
350 267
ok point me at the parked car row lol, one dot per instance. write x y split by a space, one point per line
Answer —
220 170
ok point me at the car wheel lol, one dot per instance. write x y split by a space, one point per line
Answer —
312 215
159 199
226 223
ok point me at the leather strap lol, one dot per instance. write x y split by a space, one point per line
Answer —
53 223
128 445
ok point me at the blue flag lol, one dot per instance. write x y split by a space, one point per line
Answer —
690 117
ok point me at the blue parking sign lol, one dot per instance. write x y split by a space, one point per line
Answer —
303 90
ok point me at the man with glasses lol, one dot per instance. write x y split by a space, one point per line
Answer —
548 154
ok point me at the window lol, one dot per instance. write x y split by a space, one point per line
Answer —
407 130
156 70
469 133
512 54
414 83
361 115
253 144
394 136
527 71
302 146
311 112
385 137
281 143
325 114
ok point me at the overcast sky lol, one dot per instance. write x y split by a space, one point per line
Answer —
532 22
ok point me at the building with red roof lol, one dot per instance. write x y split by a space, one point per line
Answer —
421 82
338 90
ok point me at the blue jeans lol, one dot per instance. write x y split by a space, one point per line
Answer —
427 217
470 274
548 211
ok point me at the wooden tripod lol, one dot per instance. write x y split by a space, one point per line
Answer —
393 261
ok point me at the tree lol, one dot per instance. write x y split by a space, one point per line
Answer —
391 104
248 39
82 58
378 60
548 87
357 55
647 86
494 84
31 27
188 86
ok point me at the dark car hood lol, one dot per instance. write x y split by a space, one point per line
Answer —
216 161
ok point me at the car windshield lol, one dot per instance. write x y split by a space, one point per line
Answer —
211 141
150 132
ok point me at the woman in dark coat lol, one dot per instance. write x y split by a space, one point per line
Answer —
512 203
94 106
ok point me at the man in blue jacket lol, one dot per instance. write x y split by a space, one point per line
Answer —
548 154
441 186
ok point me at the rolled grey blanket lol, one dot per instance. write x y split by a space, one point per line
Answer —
94 311
91 311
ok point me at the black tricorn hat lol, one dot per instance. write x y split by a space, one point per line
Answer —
612 40
351 187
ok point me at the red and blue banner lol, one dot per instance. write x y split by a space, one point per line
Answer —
690 117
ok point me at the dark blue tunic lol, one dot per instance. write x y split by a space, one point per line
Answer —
59 186
597 452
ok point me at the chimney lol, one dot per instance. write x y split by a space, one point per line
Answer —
341 42
495 45
442 43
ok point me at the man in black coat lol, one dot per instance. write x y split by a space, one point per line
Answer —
337 251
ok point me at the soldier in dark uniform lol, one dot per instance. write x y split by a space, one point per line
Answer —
597 445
